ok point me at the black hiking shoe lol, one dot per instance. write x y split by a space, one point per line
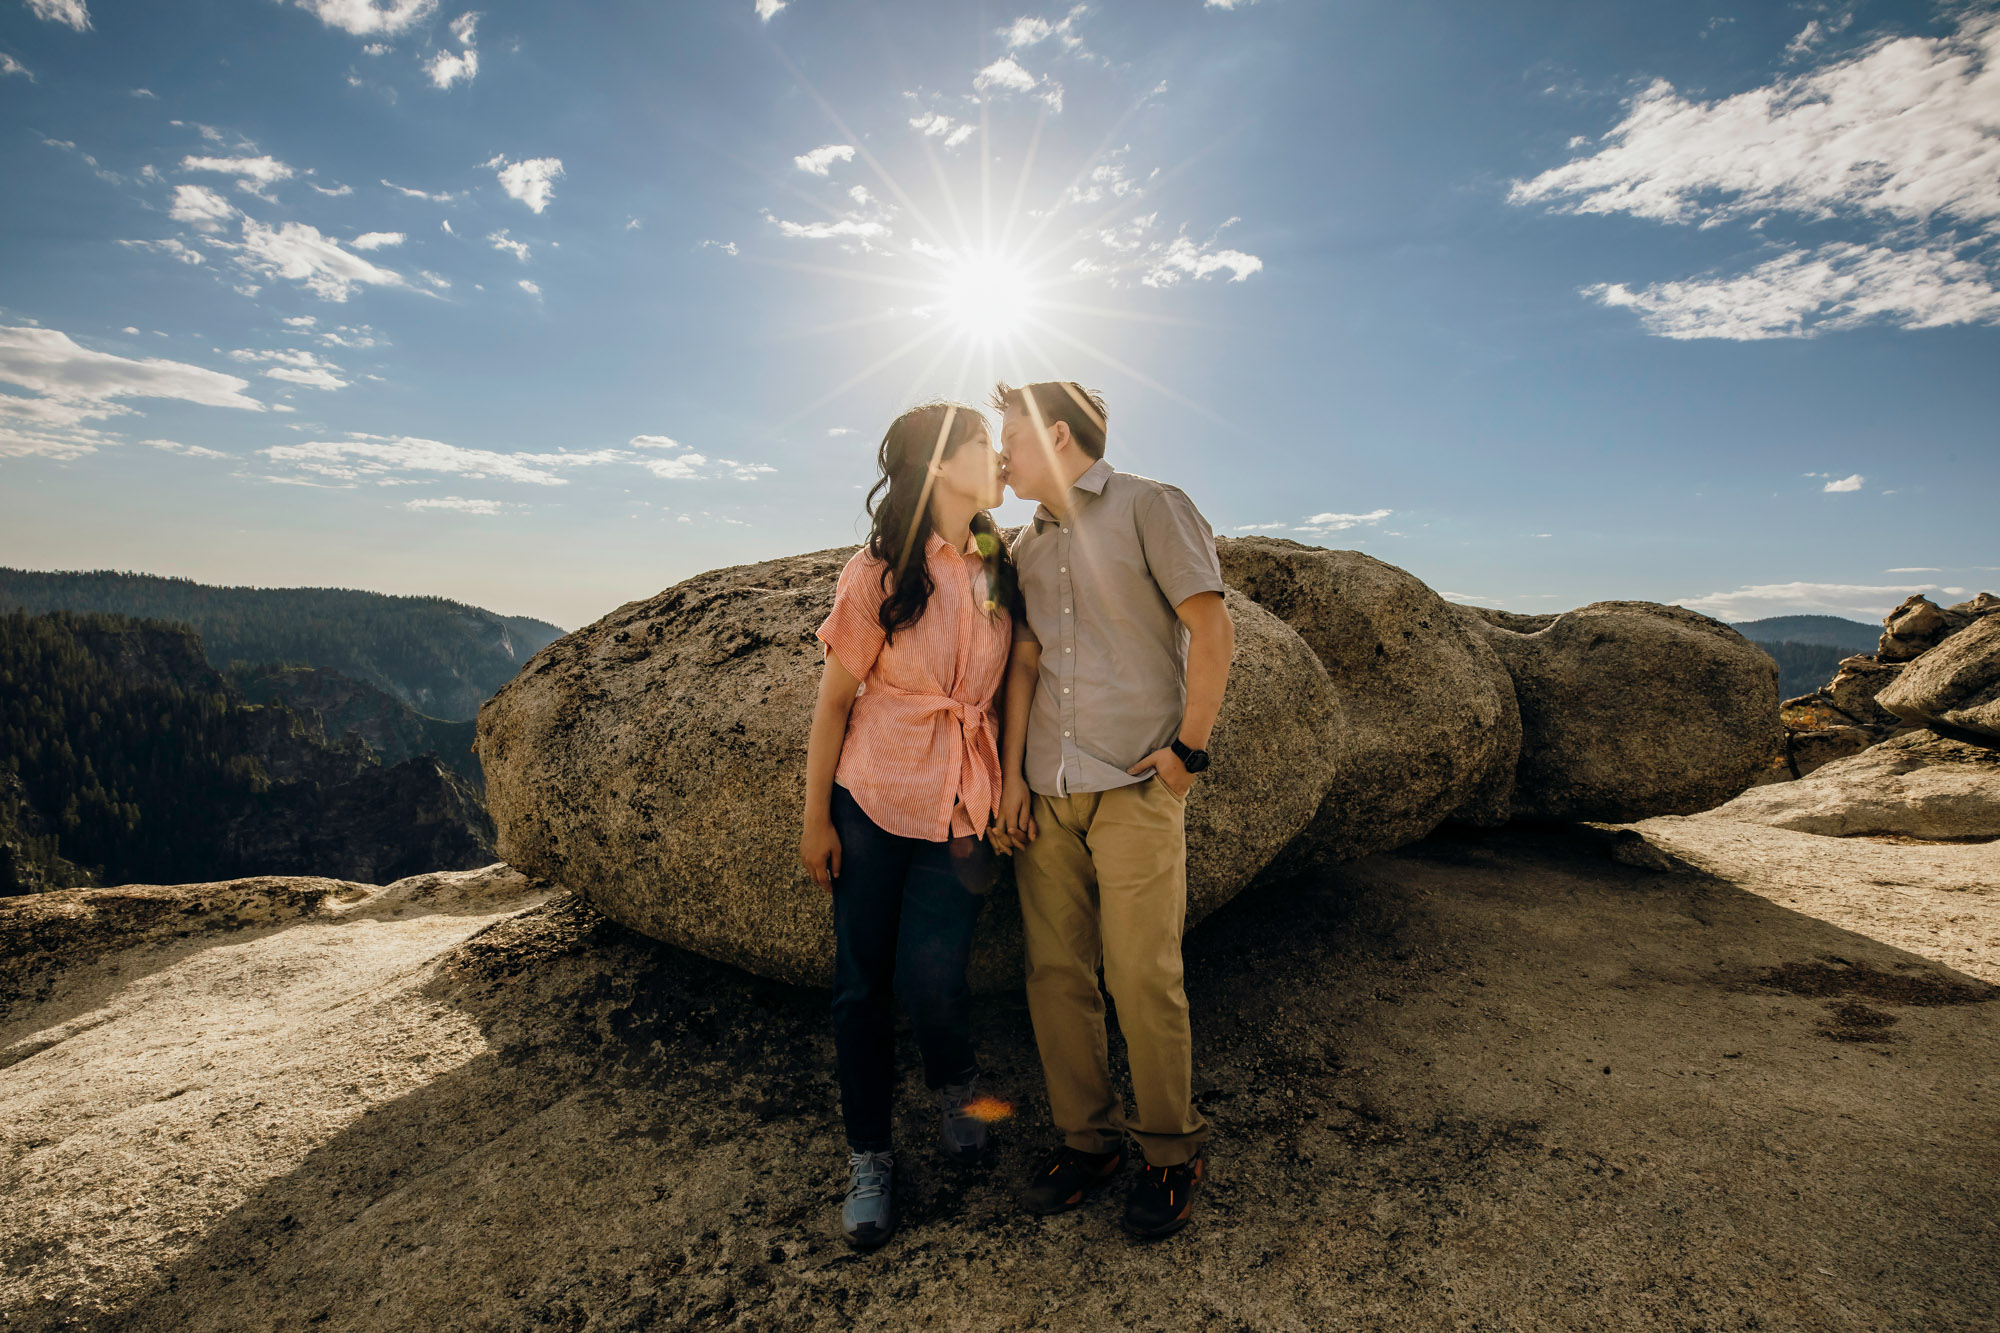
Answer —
1162 1199
1066 1176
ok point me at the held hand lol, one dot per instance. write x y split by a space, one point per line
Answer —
819 848
1016 815
1170 769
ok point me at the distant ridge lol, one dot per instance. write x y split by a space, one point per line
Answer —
440 657
1851 636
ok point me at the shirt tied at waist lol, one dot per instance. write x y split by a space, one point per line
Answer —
978 750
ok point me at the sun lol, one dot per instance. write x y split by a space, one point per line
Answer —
987 297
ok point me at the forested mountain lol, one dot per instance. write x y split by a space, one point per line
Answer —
441 658
126 758
345 706
1803 667
1851 636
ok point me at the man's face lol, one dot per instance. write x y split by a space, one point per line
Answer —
1027 463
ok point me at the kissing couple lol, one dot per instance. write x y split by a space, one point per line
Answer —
1051 701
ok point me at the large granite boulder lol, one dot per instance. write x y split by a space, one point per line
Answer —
1916 627
1633 709
654 762
1955 685
1917 785
1431 730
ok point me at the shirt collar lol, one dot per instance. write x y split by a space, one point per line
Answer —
938 545
1092 483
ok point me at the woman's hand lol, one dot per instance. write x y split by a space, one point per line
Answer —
819 848
1016 816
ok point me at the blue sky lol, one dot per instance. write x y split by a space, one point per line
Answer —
547 307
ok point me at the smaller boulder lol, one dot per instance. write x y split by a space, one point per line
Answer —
1954 685
1917 785
1916 627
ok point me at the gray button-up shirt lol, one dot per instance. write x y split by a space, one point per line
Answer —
1098 589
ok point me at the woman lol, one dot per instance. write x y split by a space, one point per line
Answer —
903 779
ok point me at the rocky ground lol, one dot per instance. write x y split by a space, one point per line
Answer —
1488 1082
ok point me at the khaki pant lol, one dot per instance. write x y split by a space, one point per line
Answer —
1106 882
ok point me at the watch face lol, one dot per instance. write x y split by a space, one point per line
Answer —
1195 761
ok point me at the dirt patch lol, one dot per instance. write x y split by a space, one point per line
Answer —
1849 1021
1832 976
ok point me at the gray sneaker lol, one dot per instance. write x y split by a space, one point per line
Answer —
963 1134
869 1215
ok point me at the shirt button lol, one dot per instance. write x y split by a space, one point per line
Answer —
1065 650
1065 689
1065 610
1065 733
1065 569
1065 529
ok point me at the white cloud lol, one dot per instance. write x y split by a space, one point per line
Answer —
334 190
727 247
71 384
1227 4
768 9
531 288
9 66
1902 135
937 125
859 228
371 457
1904 128
185 450
169 246
694 467
1840 285
449 67
363 17
821 159
375 240
1005 73
1914 569
655 442
1260 527
253 174
532 181
301 321
841 430
456 504
1027 31
296 251
200 207
294 366
146 94
409 193
1182 257
1838 484
1855 600
463 27
500 240
71 12
1341 522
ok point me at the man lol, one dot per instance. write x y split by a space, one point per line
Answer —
1114 682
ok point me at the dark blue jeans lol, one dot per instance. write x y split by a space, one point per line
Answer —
903 912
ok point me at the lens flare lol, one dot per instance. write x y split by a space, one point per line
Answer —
989 1109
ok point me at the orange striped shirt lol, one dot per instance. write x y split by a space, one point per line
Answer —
922 754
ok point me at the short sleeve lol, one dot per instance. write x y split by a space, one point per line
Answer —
1179 545
853 629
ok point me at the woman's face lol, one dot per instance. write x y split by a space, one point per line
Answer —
973 470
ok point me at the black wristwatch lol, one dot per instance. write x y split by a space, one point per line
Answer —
1194 761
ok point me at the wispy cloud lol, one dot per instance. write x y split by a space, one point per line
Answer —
200 207
1030 31
935 124
531 181
254 175
408 193
376 240
296 251
820 160
1857 600
531 287
71 12
1007 75
11 66
457 504
68 385
293 366
168 246
185 450
462 66
1183 257
391 459
1850 483
365 17
1898 136
768 9
501 241
1324 523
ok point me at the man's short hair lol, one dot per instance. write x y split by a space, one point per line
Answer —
1081 409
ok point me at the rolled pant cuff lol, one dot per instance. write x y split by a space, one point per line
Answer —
1096 1142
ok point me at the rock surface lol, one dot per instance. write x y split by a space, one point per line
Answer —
1633 709
1916 785
655 763
1430 726
1955 685
508 1116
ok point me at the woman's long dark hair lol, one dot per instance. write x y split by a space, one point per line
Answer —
898 506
